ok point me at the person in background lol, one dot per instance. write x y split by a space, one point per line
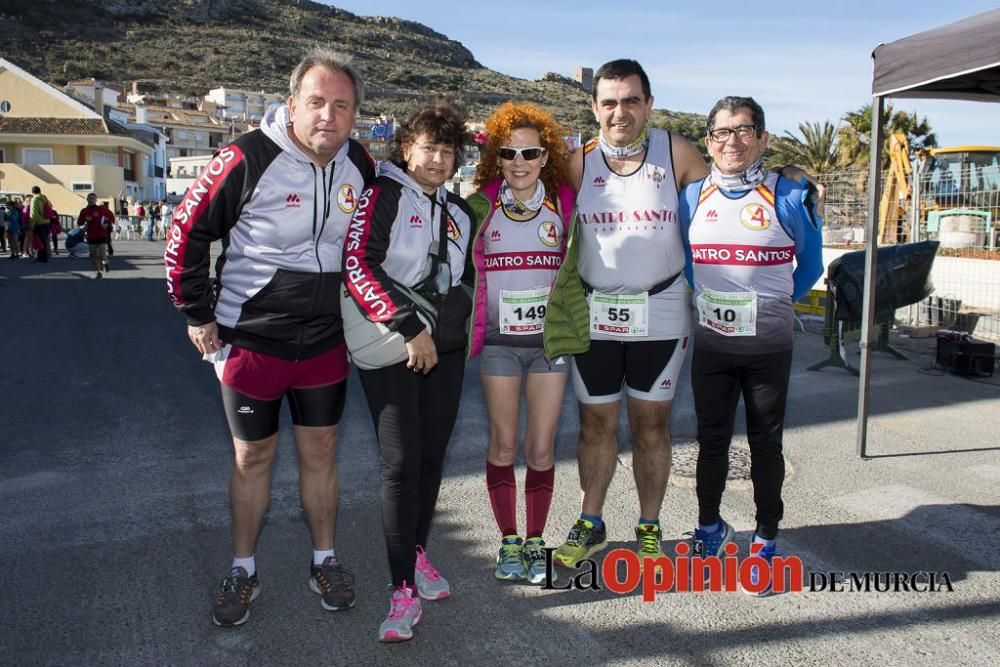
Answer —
93 221
109 222
41 224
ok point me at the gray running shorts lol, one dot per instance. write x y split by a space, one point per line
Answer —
515 361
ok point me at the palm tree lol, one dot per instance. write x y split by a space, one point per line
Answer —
854 136
816 151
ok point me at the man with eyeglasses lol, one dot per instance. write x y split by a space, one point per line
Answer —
753 247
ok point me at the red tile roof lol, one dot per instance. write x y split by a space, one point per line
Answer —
78 126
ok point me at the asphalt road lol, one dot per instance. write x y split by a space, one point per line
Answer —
114 461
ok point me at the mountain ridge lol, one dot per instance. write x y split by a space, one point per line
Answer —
189 46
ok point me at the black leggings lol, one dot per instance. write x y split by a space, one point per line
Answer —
717 380
414 416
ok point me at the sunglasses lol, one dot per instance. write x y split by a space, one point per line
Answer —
529 154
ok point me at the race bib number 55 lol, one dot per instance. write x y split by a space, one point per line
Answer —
619 314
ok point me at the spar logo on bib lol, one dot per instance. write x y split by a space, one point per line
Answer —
549 234
755 217
346 199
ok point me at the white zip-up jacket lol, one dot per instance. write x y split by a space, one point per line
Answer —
395 228
282 220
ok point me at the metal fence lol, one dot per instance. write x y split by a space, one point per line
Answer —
956 205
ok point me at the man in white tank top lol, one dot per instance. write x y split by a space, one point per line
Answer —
630 261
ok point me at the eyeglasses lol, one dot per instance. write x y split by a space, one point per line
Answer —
527 153
722 134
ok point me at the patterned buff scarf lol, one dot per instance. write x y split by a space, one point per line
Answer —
522 208
748 180
634 148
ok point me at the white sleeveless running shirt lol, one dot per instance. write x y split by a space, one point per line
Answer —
629 234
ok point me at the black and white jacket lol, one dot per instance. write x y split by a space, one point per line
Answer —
395 228
282 221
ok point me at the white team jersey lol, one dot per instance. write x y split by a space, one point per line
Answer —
629 234
742 262
520 262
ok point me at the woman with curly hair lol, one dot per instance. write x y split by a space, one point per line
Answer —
523 209
405 249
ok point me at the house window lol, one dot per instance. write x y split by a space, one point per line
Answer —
79 186
102 159
181 134
36 156
3 156
199 137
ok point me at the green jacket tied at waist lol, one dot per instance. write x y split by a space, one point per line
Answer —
567 318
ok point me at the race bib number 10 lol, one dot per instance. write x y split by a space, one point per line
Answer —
728 313
619 314
522 313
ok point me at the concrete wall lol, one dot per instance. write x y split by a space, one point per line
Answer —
30 101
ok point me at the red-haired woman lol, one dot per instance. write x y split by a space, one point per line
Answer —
523 209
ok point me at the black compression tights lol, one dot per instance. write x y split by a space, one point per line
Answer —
718 379
414 416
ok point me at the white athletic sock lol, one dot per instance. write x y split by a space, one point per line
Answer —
321 555
247 564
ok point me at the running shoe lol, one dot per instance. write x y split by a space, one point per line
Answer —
710 543
648 537
767 553
582 542
232 604
510 562
534 561
430 584
334 583
405 611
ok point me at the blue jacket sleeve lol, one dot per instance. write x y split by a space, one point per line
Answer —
797 215
685 211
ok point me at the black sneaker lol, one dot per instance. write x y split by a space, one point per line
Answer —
334 582
232 604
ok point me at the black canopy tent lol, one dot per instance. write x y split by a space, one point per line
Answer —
958 61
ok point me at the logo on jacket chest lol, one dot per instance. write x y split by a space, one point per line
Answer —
416 222
347 199
293 201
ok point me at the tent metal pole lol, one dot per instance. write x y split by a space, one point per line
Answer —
871 265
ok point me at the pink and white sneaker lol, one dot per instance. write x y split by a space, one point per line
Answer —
430 584
404 612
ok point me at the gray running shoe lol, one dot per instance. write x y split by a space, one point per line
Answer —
430 584
510 559
334 582
534 561
232 604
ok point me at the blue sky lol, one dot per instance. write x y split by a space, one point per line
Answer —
808 64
